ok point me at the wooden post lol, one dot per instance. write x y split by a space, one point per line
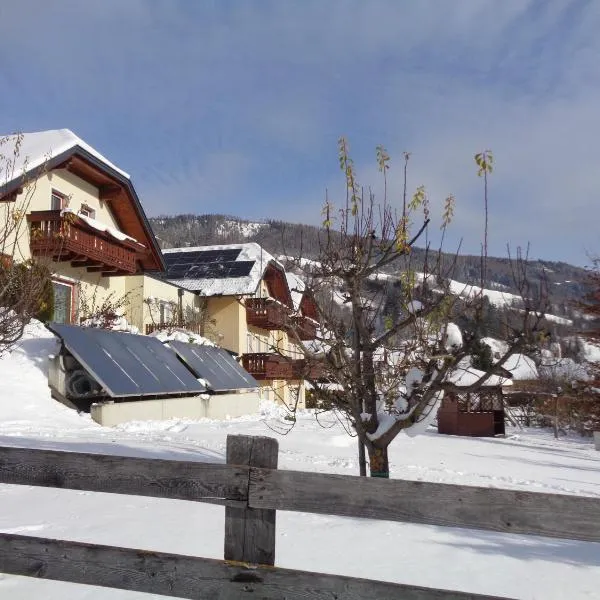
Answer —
250 532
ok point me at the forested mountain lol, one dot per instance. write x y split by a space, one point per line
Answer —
566 282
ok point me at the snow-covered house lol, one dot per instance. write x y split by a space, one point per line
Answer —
259 311
80 213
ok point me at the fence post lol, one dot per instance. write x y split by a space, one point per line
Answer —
250 532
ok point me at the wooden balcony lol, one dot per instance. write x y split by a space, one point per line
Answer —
263 365
305 328
266 313
67 238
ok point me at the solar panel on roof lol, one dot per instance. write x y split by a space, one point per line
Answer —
207 264
220 270
208 256
126 364
202 256
215 365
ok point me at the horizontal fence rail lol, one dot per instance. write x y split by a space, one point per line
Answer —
203 482
190 577
508 511
252 489
492 509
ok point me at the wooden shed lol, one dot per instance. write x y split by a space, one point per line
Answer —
477 413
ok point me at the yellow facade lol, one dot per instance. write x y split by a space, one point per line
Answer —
233 333
142 299
229 317
152 301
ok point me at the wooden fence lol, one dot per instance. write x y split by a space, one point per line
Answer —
252 490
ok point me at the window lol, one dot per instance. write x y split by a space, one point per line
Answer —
86 211
63 302
58 201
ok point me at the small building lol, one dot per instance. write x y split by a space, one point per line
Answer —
260 312
119 377
477 413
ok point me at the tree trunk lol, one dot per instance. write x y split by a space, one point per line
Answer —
556 417
362 461
378 461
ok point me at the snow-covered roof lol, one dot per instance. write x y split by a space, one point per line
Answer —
99 226
591 350
39 147
521 367
498 347
465 376
228 286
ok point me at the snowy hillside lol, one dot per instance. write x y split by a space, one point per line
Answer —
480 562
565 281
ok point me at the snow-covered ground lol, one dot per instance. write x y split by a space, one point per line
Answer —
474 561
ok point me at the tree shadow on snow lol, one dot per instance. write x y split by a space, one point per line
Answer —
114 448
551 464
527 547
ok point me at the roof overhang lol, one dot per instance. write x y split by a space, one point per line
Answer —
274 276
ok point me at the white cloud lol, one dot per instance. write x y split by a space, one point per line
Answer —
186 89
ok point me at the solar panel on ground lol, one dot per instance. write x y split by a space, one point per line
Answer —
215 365
126 364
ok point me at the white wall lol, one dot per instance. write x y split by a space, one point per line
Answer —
220 407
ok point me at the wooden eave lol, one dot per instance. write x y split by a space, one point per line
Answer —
277 284
12 196
308 307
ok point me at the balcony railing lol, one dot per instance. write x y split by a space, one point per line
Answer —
266 313
305 328
68 238
265 365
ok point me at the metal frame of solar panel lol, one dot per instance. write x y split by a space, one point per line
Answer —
215 365
128 365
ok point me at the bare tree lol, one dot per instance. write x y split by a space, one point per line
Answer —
25 284
384 366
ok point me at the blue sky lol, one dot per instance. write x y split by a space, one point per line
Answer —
236 106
